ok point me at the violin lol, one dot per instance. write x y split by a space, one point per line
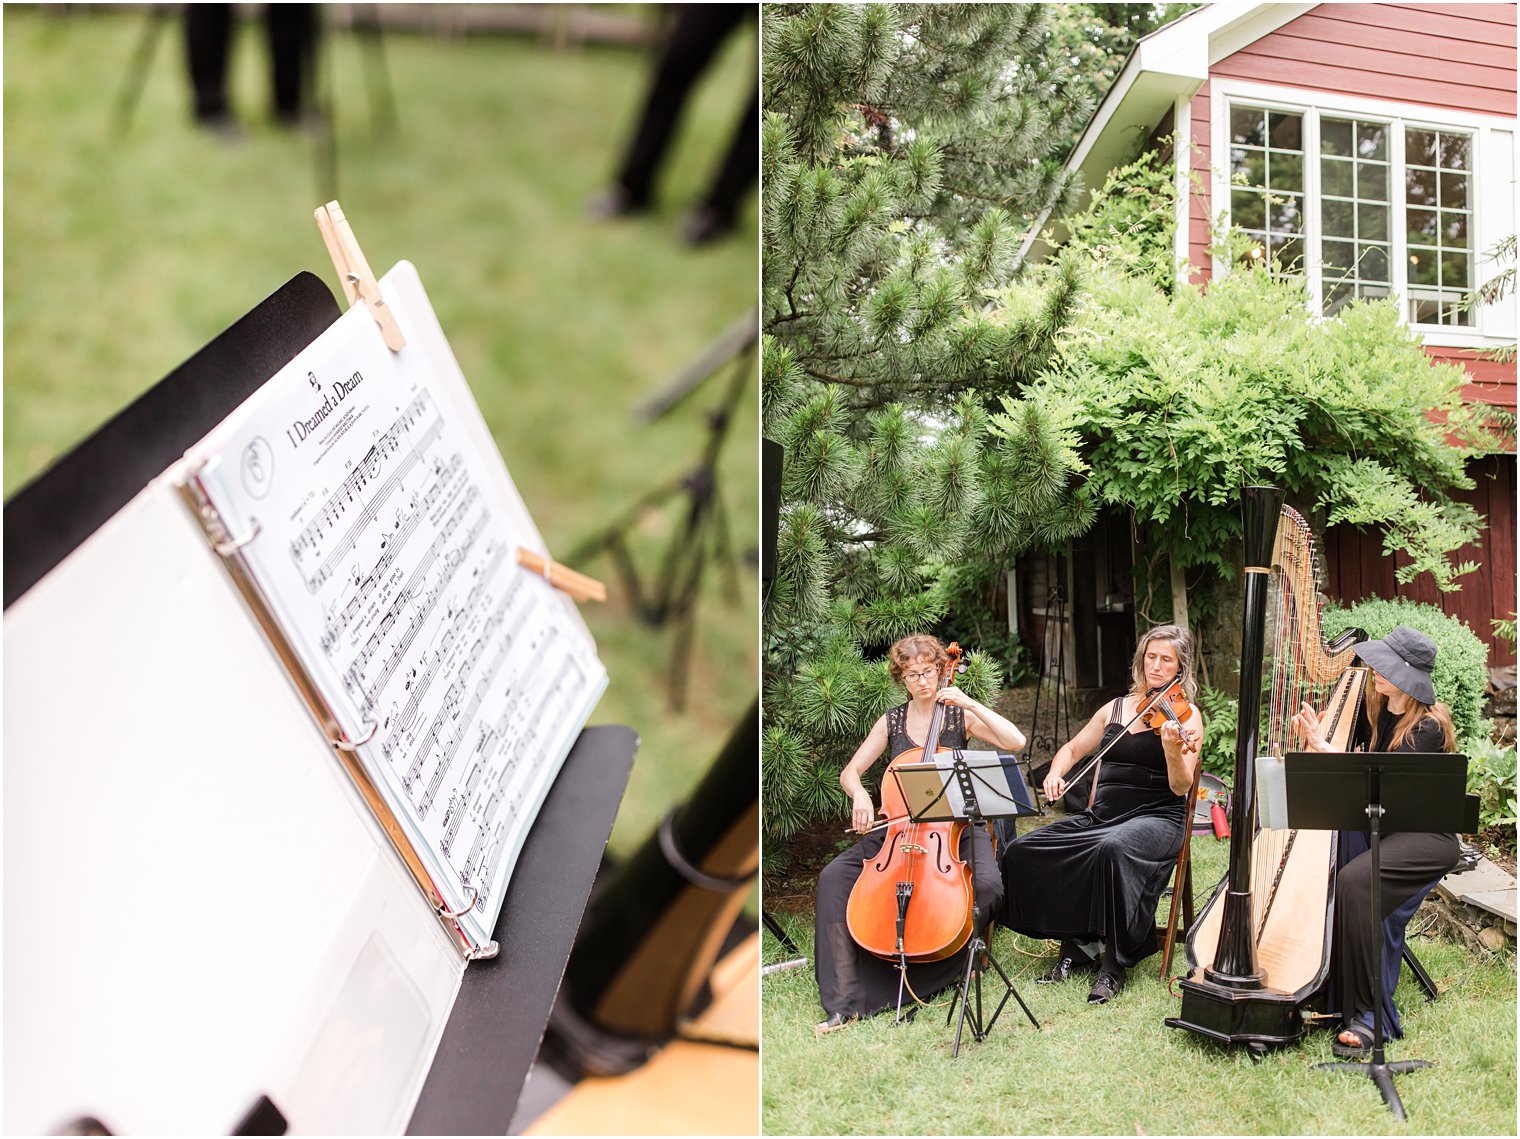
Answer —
913 901
1166 705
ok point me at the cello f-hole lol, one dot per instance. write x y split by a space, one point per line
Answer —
941 856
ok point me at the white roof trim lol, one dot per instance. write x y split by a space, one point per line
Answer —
1170 63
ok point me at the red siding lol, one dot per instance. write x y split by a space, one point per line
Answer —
1198 204
1357 567
1492 382
1453 56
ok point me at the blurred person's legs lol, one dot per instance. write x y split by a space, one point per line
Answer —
698 32
208 41
291 33
715 215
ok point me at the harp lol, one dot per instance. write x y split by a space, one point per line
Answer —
1260 950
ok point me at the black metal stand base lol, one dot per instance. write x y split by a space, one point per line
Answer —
978 957
1381 1074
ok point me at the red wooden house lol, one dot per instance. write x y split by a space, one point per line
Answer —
1373 147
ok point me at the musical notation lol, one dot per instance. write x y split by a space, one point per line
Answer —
386 551
311 542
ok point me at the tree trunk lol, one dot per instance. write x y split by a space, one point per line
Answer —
1179 596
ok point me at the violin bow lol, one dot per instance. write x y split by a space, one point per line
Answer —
1146 705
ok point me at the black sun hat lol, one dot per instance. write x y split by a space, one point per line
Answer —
1405 657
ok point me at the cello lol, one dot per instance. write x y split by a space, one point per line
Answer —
913 901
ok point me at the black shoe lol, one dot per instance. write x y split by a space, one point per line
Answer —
1105 988
1359 1047
833 1023
1065 969
1467 858
613 202
223 125
704 225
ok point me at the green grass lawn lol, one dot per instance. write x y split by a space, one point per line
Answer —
124 254
1118 1070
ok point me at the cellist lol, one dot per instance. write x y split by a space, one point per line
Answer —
852 982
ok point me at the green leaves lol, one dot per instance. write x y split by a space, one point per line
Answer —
1180 400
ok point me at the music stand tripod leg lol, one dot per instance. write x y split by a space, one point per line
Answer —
1378 1070
964 996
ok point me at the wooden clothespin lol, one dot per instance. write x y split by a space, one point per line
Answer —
353 270
577 585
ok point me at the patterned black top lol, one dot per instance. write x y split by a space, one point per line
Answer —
952 734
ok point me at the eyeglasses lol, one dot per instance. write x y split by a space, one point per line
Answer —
922 674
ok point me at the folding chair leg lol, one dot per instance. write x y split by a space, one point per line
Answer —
1431 992
1182 884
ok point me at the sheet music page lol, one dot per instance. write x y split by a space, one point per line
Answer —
386 541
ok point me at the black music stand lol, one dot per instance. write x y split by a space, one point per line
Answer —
956 792
1402 791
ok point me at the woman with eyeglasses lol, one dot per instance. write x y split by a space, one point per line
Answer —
1405 717
853 983
1092 880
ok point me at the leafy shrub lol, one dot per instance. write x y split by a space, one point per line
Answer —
1461 670
1220 712
1491 776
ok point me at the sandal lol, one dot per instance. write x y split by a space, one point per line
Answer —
1358 1051
833 1023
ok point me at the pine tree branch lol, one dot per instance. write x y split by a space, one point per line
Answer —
826 378
1004 201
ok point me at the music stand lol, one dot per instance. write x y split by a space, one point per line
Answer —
1402 791
973 787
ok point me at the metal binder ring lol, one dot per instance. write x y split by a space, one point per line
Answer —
713 882
233 545
355 745
445 912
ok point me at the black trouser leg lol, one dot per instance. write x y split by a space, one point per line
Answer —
694 40
292 31
208 42
740 166
1410 862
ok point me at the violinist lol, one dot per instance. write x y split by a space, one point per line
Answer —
1093 879
853 983
1405 716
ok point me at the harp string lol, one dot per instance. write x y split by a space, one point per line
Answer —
1298 670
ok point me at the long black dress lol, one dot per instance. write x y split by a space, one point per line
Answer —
1098 874
851 981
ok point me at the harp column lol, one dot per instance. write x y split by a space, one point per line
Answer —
1235 960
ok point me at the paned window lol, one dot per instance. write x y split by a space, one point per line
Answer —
1267 183
1363 207
1438 217
1355 237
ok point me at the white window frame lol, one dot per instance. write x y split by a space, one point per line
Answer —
1492 190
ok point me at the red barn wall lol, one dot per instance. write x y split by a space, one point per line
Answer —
1358 568
1454 56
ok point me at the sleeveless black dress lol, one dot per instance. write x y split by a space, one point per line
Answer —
1098 874
850 980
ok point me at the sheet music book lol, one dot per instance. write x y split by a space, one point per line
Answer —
370 524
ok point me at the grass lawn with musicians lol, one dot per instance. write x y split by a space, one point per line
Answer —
1117 1068
126 251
